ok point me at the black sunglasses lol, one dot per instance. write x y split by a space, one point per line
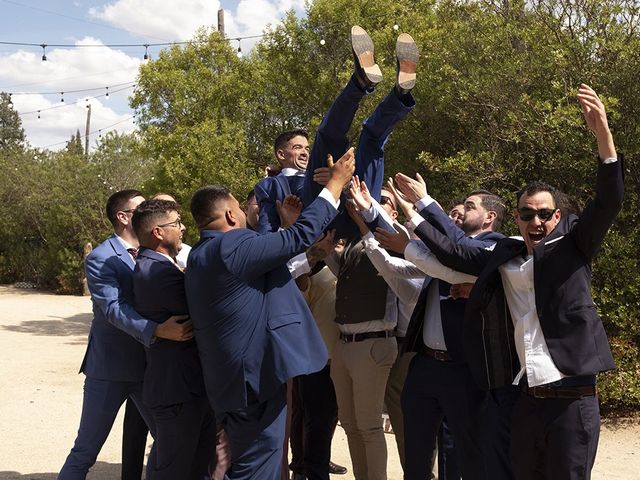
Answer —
544 214
386 200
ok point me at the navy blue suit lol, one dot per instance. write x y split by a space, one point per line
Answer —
331 138
551 438
270 189
434 388
115 360
254 332
173 386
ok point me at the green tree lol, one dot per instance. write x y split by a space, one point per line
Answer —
11 131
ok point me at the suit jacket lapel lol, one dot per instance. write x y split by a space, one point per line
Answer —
121 252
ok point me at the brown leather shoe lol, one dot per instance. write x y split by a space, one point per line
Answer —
367 72
406 62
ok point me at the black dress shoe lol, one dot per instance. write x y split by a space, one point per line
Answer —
298 476
406 62
335 469
367 72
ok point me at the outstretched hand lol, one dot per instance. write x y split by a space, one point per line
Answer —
322 248
289 210
359 192
401 200
340 172
414 190
596 117
355 215
396 242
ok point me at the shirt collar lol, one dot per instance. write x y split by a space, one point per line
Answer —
292 172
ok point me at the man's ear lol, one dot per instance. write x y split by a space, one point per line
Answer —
123 218
157 233
280 155
393 214
491 217
230 218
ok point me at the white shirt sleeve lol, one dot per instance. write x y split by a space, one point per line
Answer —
397 272
426 261
298 265
326 194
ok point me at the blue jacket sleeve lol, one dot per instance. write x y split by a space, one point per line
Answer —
249 255
266 196
107 295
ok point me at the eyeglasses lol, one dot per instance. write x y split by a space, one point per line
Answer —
386 200
544 214
129 210
176 223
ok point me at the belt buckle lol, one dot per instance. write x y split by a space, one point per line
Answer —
347 337
542 390
440 356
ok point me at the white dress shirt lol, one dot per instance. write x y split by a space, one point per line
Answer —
533 353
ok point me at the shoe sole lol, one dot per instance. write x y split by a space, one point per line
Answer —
407 56
362 46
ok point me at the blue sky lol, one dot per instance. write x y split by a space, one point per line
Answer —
93 69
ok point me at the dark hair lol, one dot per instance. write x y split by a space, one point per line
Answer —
149 213
284 137
537 187
492 203
455 202
204 200
118 201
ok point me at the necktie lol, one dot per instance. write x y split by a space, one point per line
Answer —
133 252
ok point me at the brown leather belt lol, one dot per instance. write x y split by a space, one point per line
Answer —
358 337
561 392
440 355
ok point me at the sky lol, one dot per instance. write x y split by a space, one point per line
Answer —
36 85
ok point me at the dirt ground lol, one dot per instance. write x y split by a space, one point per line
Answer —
42 340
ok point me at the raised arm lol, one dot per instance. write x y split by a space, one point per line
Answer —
600 213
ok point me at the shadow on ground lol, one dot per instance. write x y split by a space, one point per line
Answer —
100 471
54 326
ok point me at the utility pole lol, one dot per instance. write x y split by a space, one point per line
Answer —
86 132
221 22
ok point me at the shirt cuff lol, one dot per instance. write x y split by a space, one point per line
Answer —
298 265
424 202
416 220
609 160
326 194
369 215
411 251
368 238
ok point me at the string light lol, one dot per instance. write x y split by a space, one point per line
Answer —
61 97
239 48
10 101
395 26
106 95
44 52
38 115
146 51
322 42
76 102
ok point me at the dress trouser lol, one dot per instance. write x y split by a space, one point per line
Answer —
256 436
320 414
101 401
395 384
554 438
359 371
185 440
134 442
433 389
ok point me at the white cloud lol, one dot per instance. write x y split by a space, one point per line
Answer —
171 21
67 70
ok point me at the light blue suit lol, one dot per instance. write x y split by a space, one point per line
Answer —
254 332
114 362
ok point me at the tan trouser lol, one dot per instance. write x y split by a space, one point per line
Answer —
359 371
392 399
